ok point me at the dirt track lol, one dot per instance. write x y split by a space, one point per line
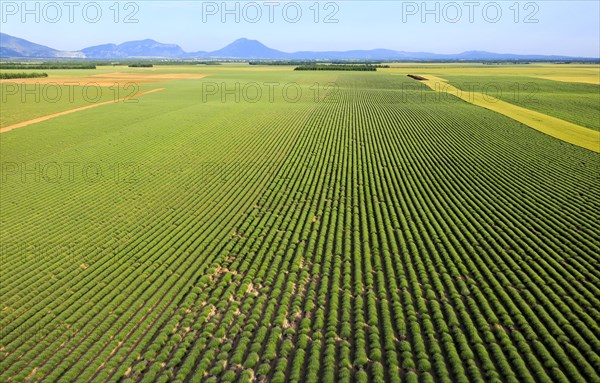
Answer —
48 117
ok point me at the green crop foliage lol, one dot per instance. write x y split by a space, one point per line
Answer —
372 232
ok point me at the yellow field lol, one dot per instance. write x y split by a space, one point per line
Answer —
589 79
552 126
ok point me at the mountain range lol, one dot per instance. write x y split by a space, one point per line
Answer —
243 49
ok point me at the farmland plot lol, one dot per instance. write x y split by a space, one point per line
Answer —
372 236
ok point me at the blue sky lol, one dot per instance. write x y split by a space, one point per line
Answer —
536 27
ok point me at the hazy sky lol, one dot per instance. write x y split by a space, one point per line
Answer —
536 27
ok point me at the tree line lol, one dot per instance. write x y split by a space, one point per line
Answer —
340 67
5 76
47 66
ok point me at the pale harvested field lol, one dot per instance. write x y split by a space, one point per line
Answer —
595 80
106 79
151 76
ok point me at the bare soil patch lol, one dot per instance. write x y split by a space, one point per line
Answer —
106 79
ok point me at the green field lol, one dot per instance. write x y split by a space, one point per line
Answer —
269 225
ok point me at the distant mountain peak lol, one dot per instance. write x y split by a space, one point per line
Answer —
137 48
247 48
247 42
23 48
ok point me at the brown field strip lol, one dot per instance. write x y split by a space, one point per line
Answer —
106 79
50 116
